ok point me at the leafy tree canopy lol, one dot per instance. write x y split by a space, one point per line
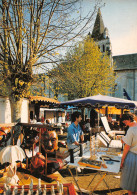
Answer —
84 71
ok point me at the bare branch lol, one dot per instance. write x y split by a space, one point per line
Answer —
31 33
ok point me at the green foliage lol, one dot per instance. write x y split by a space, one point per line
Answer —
40 85
84 71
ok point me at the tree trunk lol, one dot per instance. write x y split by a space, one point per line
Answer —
16 117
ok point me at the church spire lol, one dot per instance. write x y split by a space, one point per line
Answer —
98 30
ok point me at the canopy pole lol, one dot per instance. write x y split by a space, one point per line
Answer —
122 112
106 112
40 140
121 116
13 137
83 113
98 118
46 163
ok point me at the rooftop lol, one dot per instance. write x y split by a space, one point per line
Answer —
42 99
126 62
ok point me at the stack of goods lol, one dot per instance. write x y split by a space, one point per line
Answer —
88 162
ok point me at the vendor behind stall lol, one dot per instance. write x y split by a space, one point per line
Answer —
75 133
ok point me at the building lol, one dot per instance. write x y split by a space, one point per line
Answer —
33 106
41 107
53 115
5 110
100 34
125 65
126 69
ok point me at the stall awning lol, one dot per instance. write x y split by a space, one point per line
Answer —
99 101
42 99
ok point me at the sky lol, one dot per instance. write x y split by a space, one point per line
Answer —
120 17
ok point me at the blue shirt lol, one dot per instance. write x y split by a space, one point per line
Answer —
74 133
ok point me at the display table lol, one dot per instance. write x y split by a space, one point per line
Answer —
112 166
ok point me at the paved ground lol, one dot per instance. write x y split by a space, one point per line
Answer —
86 176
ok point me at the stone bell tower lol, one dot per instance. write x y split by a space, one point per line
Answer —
101 36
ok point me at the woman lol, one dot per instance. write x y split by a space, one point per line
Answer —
129 158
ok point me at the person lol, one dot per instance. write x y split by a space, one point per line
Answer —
48 122
75 132
42 119
39 121
93 117
67 116
87 125
124 126
129 158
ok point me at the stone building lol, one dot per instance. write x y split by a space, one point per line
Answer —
33 106
100 34
125 65
126 69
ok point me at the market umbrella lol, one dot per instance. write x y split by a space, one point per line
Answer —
11 154
100 100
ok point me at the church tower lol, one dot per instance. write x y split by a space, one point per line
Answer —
101 36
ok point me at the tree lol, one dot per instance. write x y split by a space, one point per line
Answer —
31 33
84 71
41 86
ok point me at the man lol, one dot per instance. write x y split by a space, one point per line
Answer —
74 131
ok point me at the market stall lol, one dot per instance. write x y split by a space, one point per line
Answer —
99 101
102 104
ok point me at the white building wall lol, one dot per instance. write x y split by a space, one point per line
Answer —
5 110
50 116
25 111
2 110
53 115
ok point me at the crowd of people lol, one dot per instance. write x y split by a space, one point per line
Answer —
128 166
75 136
127 122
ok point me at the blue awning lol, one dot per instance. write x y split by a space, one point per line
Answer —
100 100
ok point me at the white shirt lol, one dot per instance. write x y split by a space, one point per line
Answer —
131 139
